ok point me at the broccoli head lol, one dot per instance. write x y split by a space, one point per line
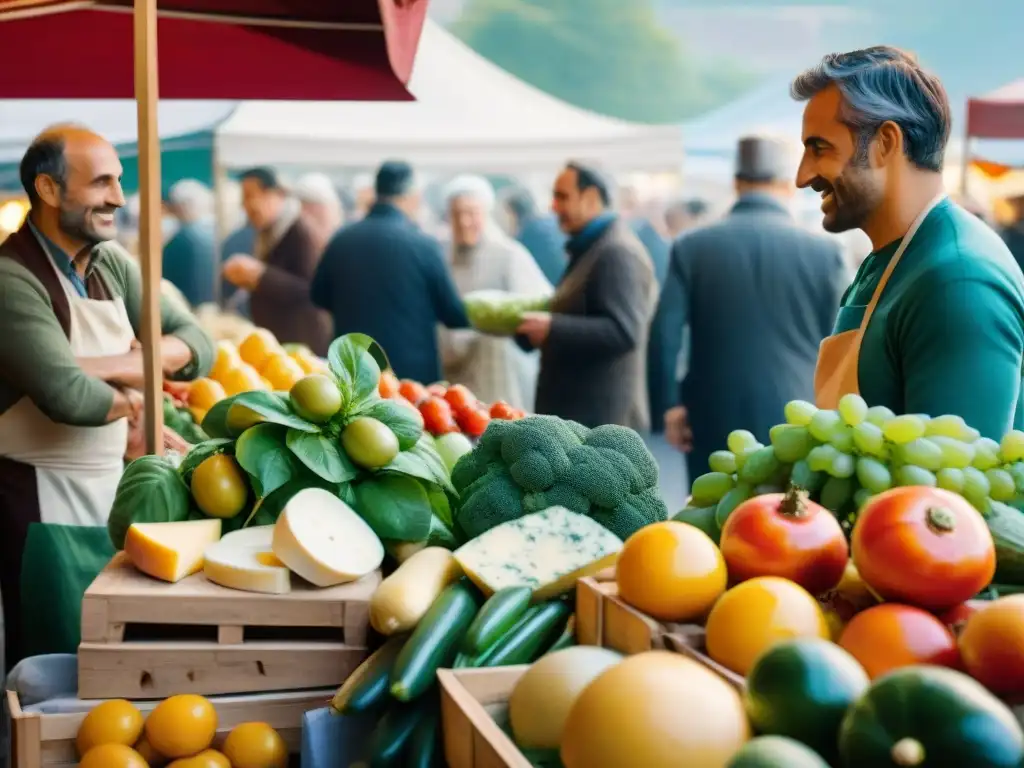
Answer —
528 465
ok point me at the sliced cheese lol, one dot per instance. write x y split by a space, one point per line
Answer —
323 540
170 551
546 551
244 560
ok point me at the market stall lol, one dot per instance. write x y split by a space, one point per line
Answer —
997 117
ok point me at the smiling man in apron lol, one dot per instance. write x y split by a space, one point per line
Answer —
70 310
934 320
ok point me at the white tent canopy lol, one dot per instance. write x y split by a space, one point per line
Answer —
468 115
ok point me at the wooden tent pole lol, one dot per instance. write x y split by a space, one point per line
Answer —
150 240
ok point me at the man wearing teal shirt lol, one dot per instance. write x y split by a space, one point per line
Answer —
934 320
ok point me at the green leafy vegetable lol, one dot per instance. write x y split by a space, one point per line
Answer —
395 507
272 406
406 423
150 491
262 451
321 456
357 370
201 453
500 312
424 462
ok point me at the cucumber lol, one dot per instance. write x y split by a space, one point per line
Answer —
434 642
531 634
499 614
393 734
368 685
567 639
1007 526
464 660
425 745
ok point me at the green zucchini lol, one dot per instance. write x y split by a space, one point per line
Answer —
531 634
499 614
368 685
567 639
425 745
463 660
435 641
776 752
1007 526
393 734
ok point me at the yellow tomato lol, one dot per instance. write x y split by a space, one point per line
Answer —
198 414
112 756
209 758
758 613
282 372
257 347
310 363
671 571
150 755
227 358
181 725
204 393
255 745
112 722
243 378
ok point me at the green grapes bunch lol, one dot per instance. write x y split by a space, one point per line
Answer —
843 457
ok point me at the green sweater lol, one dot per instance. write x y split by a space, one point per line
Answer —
947 335
36 358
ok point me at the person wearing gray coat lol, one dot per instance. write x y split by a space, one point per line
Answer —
593 342
759 293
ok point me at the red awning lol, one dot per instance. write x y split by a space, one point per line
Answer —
998 115
299 50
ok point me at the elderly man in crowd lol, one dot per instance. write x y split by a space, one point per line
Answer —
190 255
321 207
539 234
482 257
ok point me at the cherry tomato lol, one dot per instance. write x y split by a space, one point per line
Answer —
412 391
437 416
992 644
437 389
473 421
785 535
388 386
923 546
460 398
956 618
502 410
890 636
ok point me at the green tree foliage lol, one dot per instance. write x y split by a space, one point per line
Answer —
609 56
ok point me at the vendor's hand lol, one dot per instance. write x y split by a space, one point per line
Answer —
244 271
136 439
175 442
535 326
677 429
174 355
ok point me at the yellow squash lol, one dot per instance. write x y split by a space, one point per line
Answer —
406 595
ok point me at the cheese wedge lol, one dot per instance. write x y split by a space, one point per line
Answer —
323 540
243 560
170 551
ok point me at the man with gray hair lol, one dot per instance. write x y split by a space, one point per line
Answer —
758 293
189 257
934 320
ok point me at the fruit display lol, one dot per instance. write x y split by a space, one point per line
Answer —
178 733
500 312
180 418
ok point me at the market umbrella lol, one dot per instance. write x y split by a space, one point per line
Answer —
996 115
208 49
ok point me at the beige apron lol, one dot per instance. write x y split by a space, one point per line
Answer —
836 373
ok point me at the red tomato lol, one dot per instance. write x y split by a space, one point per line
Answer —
785 535
992 645
890 636
460 398
388 386
412 391
956 618
437 416
502 410
923 546
437 389
178 390
473 421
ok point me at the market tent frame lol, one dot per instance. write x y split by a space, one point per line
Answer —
210 49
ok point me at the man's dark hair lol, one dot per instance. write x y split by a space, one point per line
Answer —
267 178
395 178
880 84
44 157
589 177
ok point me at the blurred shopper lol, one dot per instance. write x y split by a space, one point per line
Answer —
364 195
683 215
190 255
1013 233
321 207
384 277
593 342
483 257
277 274
759 293
539 234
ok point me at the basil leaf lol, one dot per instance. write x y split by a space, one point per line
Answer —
405 422
321 456
357 368
423 461
440 505
262 451
272 406
394 506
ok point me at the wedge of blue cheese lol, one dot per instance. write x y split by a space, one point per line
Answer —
546 551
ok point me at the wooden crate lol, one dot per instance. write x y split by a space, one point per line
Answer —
603 619
472 702
146 639
45 740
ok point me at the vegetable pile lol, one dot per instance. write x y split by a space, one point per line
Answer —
500 312
178 417
528 465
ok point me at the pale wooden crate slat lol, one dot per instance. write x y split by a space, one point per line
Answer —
469 700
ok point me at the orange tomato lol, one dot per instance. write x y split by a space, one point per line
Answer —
754 615
112 756
460 399
282 372
258 346
244 378
150 755
208 758
923 546
388 386
255 745
670 571
227 358
204 393
112 722
992 645
181 725
890 636
785 535
412 391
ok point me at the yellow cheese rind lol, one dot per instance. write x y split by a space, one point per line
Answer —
243 560
322 539
170 551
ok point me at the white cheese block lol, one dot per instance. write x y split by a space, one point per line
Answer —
244 560
170 551
323 540
546 551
